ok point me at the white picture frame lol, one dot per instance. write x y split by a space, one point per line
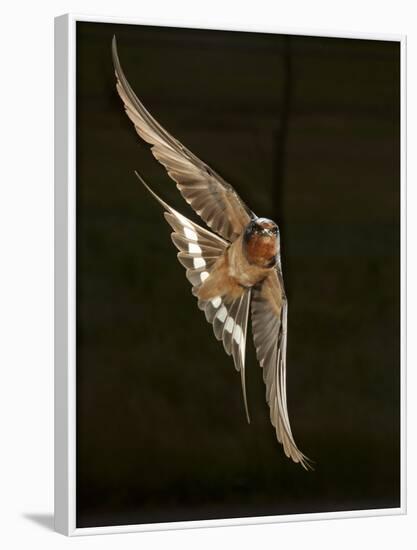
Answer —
65 283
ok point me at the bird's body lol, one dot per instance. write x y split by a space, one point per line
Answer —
245 263
234 268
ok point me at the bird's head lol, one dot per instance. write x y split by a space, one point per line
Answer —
261 242
262 227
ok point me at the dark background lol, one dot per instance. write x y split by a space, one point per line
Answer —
307 130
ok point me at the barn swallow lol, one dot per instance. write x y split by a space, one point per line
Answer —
233 269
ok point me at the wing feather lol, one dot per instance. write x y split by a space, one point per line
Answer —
214 200
269 326
199 249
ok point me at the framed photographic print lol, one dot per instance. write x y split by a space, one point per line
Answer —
260 378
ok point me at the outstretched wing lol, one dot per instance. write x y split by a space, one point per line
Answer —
199 250
214 200
269 326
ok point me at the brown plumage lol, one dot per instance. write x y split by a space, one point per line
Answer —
232 269
240 267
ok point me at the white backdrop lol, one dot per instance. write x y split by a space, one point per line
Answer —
26 270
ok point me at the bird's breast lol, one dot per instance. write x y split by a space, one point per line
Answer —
241 269
261 250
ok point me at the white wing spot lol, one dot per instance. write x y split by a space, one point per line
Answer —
216 302
204 275
229 325
199 262
222 314
194 248
237 334
190 234
183 220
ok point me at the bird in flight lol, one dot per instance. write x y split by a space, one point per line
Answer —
234 269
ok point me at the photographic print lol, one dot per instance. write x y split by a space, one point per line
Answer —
237 275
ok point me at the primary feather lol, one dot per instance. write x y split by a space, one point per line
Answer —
214 200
